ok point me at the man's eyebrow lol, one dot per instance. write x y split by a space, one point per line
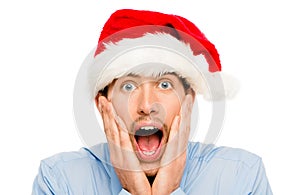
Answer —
133 75
167 74
156 76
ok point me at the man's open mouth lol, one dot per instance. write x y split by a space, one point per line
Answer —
148 141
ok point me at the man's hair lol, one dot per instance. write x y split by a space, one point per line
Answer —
186 85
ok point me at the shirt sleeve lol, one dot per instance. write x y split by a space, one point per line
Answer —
258 180
47 181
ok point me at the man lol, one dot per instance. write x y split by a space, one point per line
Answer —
150 68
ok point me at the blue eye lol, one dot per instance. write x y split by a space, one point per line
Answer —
165 85
128 87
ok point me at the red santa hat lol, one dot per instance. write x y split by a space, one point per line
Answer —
151 43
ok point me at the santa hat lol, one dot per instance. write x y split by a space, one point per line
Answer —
150 44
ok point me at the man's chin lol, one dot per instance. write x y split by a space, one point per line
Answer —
150 170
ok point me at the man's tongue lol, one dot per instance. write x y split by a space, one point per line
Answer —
148 143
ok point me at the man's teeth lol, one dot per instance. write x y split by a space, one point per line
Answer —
146 131
148 128
148 153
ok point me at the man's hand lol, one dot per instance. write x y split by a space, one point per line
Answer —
127 165
123 157
173 161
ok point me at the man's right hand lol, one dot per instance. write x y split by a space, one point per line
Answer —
122 155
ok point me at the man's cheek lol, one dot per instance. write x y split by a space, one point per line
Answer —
122 108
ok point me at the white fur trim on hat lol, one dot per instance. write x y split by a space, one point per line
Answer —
154 55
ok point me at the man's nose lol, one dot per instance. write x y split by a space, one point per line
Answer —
147 100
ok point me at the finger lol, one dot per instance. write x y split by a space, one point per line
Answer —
185 122
113 115
126 155
120 123
100 105
186 106
185 113
171 148
124 135
119 132
174 127
179 134
111 132
121 152
110 127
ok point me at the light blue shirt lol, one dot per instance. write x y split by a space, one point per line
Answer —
209 170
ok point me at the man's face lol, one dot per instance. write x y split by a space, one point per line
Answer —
147 105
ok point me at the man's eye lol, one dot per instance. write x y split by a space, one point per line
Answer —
165 85
128 87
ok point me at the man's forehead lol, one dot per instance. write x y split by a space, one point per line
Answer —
154 77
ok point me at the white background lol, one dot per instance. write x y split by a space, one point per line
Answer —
43 44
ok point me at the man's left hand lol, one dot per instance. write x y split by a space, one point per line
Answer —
173 161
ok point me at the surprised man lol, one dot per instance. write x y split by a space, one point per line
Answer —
143 78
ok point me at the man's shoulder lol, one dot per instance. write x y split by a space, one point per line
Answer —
75 171
224 169
82 156
209 153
